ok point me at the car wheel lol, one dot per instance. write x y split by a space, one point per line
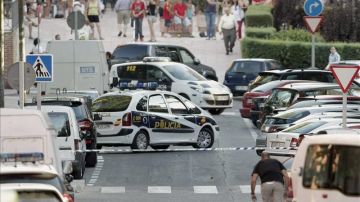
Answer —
91 159
216 111
78 170
156 147
141 140
185 96
98 146
205 139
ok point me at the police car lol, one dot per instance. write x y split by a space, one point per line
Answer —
143 118
175 77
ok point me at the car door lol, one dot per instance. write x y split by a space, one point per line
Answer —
184 130
242 72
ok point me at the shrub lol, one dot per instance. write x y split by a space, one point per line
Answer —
296 54
259 16
259 32
296 35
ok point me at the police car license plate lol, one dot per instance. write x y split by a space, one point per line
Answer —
277 144
241 87
222 97
103 126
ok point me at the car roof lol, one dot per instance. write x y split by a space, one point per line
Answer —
158 63
27 168
255 59
148 44
283 71
138 93
339 139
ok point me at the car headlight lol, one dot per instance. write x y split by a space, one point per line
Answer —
206 92
196 88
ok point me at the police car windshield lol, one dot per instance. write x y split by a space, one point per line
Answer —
182 72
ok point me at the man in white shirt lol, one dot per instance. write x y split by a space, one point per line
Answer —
227 27
334 57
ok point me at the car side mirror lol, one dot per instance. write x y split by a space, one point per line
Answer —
115 81
69 178
197 61
97 117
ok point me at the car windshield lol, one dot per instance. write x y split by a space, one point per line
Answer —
265 78
183 72
247 67
111 103
281 98
332 167
80 112
305 127
32 178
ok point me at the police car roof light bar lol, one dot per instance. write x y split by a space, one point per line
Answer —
22 157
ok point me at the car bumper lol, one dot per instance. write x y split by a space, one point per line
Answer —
124 137
212 101
261 140
236 88
245 112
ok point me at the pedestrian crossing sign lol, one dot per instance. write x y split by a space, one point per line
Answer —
42 65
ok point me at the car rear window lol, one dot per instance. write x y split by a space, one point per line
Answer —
130 52
332 167
37 196
305 127
265 78
112 103
247 67
266 87
293 115
60 121
270 65
281 98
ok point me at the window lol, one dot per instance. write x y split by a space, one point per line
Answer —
161 51
247 67
182 72
192 107
175 105
292 77
111 103
60 121
304 127
273 65
265 78
332 167
173 54
157 104
132 72
142 104
130 52
281 98
186 56
80 111
155 74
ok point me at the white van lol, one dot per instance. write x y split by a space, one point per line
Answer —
78 65
68 136
28 131
327 168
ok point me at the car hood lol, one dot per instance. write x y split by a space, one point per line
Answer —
211 86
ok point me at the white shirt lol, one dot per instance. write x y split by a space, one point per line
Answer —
37 50
227 22
238 12
334 58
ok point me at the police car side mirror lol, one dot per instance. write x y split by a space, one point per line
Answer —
115 81
197 61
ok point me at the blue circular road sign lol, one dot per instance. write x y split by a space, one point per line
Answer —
313 7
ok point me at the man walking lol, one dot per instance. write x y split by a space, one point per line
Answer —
122 8
272 175
334 56
138 12
227 25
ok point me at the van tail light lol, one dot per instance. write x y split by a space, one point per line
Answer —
68 198
88 141
294 142
126 121
290 193
76 143
85 124
301 138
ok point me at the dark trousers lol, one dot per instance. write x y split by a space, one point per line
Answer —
138 28
240 26
229 38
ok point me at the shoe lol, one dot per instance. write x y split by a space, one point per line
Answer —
125 35
120 33
141 38
227 52
231 50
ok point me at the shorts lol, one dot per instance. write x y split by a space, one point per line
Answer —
93 18
123 17
185 22
151 18
177 20
168 23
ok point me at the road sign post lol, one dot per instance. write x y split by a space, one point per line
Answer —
344 76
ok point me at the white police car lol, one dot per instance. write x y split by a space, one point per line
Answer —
175 77
141 118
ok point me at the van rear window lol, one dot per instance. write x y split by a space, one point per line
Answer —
333 167
111 103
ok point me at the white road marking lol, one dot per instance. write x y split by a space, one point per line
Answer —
92 181
112 190
250 126
100 157
230 113
205 190
95 175
246 189
159 189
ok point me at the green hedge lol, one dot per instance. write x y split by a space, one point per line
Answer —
296 54
260 32
259 16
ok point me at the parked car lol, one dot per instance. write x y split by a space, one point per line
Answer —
323 101
292 74
175 77
133 52
152 118
69 136
324 169
81 104
243 71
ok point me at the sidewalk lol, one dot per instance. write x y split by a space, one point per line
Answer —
210 52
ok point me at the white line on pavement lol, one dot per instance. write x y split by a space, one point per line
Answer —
251 128
205 190
159 189
92 181
112 190
246 189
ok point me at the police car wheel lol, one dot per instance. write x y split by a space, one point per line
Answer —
205 139
216 111
141 140
160 146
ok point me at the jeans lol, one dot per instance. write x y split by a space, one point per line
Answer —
138 28
210 24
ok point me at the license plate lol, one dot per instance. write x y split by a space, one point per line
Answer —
222 98
103 126
241 87
277 144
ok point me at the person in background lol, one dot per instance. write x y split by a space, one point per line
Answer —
37 49
210 15
93 14
161 15
108 59
227 27
179 17
29 15
122 8
57 37
151 16
168 15
238 12
138 12
274 179
190 12
334 56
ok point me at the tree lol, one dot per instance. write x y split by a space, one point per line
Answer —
288 12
